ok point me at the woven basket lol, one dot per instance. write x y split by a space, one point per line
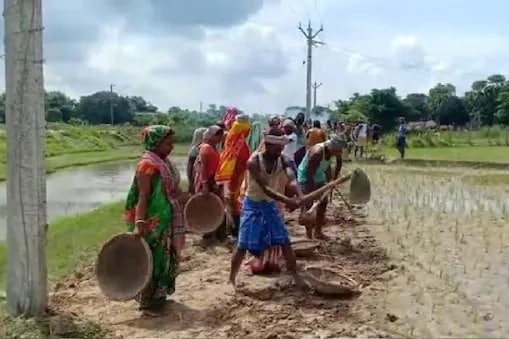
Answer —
328 282
204 213
360 187
304 248
124 267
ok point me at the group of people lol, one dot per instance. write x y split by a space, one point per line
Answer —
255 171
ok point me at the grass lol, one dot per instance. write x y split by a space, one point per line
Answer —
477 154
62 161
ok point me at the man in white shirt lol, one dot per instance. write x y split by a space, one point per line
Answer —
291 147
361 138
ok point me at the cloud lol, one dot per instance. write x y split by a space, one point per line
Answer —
250 53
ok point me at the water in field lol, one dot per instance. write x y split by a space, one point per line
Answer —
83 188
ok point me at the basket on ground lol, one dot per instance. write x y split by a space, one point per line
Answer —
329 282
204 213
304 248
124 267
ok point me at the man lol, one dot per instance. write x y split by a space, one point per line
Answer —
401 143
315 135
291 147
377 131
315 171
300 130
361 137
261 225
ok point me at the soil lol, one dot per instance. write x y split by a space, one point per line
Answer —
205 305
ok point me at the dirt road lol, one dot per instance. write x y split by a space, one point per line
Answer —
267 307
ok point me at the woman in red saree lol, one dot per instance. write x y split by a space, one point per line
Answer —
233 165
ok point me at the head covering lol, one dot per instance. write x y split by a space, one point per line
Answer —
337 141
229 116
210 132
152 136
255 136
289 123
242 117
198 136
274 120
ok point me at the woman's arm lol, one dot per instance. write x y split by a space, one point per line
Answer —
144 181
189 170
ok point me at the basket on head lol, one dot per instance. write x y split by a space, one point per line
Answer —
124 267
204 213
360 187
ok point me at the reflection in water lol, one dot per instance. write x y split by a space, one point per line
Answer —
83 188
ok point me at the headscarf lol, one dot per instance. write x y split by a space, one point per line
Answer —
274 121
337 141
289 123
229 116
198 136
235 148
210 132
153 135
255 136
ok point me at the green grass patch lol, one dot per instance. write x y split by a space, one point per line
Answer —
477 154
75 241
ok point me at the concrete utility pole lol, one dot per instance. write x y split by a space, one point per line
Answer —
315 87
27 293
111 105
311 42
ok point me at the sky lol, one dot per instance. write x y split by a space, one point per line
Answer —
250 53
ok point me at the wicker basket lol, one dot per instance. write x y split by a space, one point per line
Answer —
304 248
360 187
124 267
204 213
328 282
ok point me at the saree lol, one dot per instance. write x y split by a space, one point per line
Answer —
165 227
233 161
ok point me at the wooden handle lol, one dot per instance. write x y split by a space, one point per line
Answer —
324 189
317 203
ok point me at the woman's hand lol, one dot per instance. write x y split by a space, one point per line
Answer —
140 228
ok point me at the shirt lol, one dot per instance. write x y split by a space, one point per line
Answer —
291 147
402 131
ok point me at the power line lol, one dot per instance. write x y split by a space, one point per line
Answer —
311 42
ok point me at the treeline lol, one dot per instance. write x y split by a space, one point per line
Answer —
485 104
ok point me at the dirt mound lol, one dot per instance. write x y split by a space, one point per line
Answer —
266 307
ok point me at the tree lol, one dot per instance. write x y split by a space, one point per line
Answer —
417 107
438 96
95 108
27 293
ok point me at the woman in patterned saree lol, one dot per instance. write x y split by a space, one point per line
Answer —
153 211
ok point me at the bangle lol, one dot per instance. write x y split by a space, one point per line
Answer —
139 221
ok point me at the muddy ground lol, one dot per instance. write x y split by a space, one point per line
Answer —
266 307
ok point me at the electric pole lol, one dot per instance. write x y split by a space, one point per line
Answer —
315 87
111 104
311 42
27 293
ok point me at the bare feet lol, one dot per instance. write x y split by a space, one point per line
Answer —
319 235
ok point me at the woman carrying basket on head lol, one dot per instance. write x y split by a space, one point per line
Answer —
153 211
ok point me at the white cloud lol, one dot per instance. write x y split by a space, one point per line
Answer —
254 59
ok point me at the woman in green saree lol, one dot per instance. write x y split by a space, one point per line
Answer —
153 212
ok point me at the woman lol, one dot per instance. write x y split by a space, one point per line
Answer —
193 154
153 212
233 165
205 170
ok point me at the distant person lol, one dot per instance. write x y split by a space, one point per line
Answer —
361 137
401 143
291 147
300 130
376 133
315 135
192 155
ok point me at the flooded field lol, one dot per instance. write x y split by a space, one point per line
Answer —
81 189
450 240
